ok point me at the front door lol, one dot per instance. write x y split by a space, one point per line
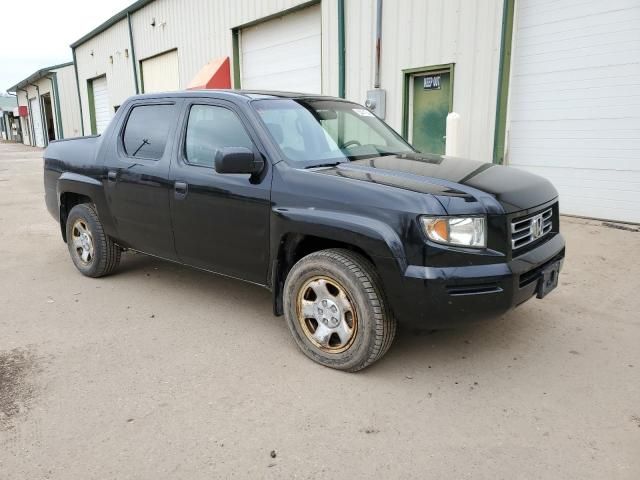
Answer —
220 221
431 94
137 178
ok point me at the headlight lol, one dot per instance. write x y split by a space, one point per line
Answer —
460 231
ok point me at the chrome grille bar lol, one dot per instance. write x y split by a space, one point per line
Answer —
527 230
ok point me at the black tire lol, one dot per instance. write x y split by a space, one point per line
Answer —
105 255
375 326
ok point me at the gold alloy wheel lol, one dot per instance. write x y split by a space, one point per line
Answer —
327 314
82 241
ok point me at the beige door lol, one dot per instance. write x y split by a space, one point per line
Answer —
160 73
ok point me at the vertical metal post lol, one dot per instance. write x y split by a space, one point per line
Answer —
341 50
376 83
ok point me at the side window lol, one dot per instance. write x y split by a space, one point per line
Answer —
147 129
209 129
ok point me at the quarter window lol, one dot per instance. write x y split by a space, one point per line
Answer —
145 135
209 129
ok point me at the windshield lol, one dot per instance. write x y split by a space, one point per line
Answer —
322 132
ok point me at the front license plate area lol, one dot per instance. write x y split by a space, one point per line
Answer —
548 279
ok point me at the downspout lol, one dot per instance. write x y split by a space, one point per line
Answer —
75 67
53 78
504 72
341 50
30 122
43 123
376 83
133 54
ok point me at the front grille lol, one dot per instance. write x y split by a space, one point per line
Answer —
527 230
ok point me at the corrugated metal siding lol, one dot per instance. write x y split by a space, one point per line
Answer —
419 33
69 106
44 85
201 30
416 33
110 43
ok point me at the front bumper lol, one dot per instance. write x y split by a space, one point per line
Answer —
435 297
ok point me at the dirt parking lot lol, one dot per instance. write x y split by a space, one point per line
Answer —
160 371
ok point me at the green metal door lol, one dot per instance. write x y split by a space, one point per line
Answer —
431 101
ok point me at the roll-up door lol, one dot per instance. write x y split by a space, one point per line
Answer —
160 73
36 116
283 53
101 105
575 103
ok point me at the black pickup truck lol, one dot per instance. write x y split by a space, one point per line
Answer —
316 199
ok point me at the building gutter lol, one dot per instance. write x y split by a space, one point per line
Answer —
341 50
75 68
53 78
504 72
133 53
122 14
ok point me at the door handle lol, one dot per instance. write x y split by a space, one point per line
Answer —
112 176
180 189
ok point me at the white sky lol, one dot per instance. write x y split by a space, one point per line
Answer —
37 33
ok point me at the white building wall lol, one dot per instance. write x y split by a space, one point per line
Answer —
420 33
44 86
106 54
69 105
199 29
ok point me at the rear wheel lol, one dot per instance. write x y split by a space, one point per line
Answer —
335 309
92 251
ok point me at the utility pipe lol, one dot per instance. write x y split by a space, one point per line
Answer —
376 83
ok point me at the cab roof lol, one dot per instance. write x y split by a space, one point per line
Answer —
237 94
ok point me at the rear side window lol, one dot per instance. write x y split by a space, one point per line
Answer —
211 128
145 135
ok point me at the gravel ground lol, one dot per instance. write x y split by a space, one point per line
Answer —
160 371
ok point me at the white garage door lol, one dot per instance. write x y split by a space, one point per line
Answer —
37 122
101 105
575 103
160 73
284 53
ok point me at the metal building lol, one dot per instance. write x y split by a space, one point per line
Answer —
9 130
550 87
324 46
52 108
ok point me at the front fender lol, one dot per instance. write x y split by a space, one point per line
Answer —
373 236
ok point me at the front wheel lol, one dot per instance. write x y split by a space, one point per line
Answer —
335 309
93 252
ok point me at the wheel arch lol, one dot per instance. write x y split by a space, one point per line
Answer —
74 189
296 233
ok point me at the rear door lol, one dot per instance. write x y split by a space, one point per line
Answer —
137 176
220 221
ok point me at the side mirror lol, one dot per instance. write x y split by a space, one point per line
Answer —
238 160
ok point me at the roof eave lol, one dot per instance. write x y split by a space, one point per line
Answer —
111 21
37 76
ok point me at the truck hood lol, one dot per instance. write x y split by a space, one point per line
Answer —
462 186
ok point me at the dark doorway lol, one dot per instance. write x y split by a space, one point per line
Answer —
48 116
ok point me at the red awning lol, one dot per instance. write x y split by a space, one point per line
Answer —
215 74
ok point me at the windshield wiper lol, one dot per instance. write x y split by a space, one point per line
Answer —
320 165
